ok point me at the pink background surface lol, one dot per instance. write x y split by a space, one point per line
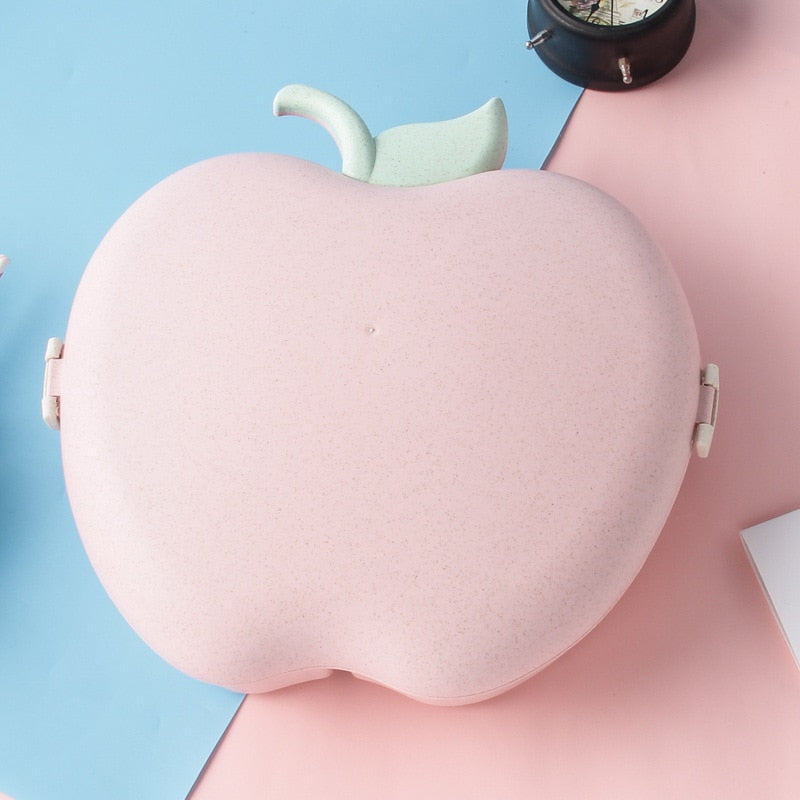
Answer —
686 689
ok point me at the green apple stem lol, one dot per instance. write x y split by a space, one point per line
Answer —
349 131
406 155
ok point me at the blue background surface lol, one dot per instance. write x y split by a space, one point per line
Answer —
99 101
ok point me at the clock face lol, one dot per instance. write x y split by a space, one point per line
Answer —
612 12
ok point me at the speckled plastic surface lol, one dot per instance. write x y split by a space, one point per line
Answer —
428 435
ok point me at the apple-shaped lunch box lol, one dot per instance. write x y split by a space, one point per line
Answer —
425 433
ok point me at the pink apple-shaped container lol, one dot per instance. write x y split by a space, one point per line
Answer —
425 434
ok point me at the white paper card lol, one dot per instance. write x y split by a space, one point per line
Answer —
774 550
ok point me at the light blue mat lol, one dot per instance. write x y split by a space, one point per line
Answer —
98 101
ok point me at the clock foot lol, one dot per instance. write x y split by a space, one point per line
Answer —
625 69
539 38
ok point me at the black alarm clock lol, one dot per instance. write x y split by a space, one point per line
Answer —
611 45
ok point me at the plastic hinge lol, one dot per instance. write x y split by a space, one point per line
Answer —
707 407
51 390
